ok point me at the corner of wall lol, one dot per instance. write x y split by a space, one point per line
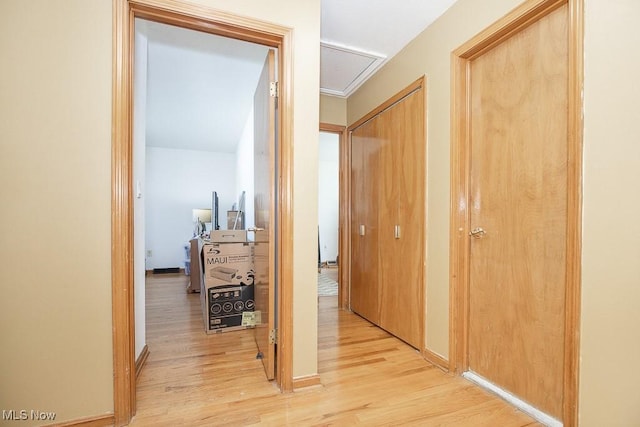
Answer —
333 110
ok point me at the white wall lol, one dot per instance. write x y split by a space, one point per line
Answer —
177 182
328 194
244 169
139 142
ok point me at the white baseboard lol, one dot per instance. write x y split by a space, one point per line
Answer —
540 416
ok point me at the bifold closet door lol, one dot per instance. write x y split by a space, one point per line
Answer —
401 225
364 222
388 183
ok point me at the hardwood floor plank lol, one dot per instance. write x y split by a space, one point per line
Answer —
367 376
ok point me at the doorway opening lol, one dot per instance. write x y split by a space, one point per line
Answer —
194 133
123 184
332 213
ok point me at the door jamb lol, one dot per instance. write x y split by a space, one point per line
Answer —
344 211
228 25
514 21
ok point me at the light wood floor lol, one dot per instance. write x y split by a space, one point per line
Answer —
368 377
332 273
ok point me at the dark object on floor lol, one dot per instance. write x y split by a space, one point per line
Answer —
166 270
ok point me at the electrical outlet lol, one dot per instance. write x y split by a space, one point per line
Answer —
149 254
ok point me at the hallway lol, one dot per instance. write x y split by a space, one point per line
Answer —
368 377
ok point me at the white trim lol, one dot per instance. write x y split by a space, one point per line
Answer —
540 416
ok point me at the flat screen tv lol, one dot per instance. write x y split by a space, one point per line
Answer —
215 225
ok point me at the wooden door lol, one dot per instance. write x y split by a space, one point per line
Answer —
264 205
364 298
388 213
402 215
518 197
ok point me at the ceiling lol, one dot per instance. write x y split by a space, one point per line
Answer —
359 36
200 86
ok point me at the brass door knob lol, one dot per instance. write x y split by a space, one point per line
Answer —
477 232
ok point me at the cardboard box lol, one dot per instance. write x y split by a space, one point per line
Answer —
228 236
226 307
227 286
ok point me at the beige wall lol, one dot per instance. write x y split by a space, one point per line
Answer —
333 110
55 135
610 337
610 344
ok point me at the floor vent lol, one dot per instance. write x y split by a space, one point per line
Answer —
166 270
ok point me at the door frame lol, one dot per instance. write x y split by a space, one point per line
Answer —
516 20
212 21
343 211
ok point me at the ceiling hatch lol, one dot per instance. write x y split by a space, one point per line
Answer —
343 69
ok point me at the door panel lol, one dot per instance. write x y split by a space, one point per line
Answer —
518 195
402 196
364 223
264 205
